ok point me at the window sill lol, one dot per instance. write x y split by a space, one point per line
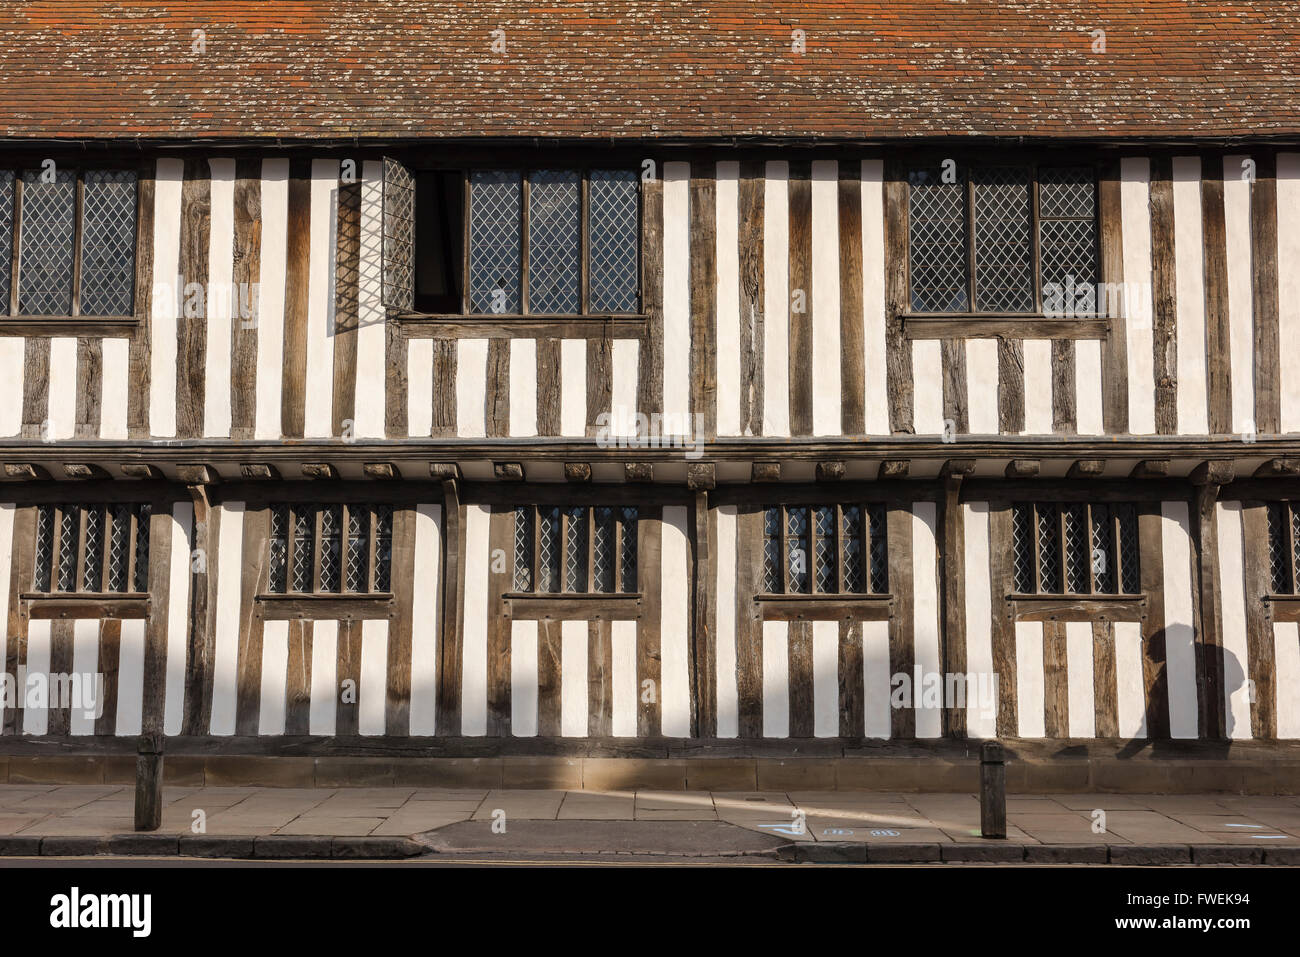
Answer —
589 606
961 325
1077 607
824 607
1284 607
485 325
64 605
110 327
344 606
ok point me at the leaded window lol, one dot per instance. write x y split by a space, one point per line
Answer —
825 549
1012 239
75 233
1283 547
330 548
92 549
1074 548
575 550
553 242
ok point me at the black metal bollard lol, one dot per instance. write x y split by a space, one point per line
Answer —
148 783
993 791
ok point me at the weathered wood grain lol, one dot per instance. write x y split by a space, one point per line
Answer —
750 238
800 295
1114 353
444 388
703 294
255 566
246 275
192 321
898 368
139 374
650 365
1264 294
852 373
902 656
297 272
1011 386
397 711
90 385
649 687
1105 688
1218 342
347 272
1004 630
1164 294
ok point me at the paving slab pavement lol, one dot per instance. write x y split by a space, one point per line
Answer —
619 821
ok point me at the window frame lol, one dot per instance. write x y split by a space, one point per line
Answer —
1120 594
784 538
972 322
15 323
346 507
524 316
620 522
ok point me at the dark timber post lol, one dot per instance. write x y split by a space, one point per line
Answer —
148 782
993 791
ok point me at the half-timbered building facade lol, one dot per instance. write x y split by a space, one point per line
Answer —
664 382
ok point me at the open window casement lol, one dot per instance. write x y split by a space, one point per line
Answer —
399 237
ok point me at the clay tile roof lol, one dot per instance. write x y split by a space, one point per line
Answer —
677 68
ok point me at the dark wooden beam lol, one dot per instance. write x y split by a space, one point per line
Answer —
1022 468
1087 468
701 477
508 471
258 470
765 472
577 471
895 468
381 470
831 470
1151 468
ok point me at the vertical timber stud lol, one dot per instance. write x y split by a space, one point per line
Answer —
705 718
198 661
447 719
953 589
993 791
148 782
1207 479
155 639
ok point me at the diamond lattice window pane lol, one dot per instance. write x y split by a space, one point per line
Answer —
797 550
824 519
277 573
358 554
1022 548
851 549
1067 240
575 558
331 547
304 546
399 236
45 256
6 235
108 243
937 242
1294 555
603 545
1130 578
554 241
548 548
69 531
1077 549
143 513
383 547
772 583
92 553
119 548
1049 550
496 197
1004 257
44 547
612 227
879 549
523 548
628 535
1103 550
1278 552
